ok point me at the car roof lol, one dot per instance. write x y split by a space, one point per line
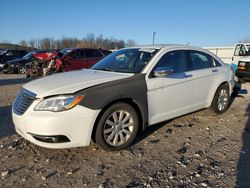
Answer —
83 49
168 46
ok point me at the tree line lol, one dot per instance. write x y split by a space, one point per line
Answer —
90 41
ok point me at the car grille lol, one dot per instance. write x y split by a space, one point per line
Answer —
247 66
23 101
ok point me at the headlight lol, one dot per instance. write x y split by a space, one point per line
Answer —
242 63
60 103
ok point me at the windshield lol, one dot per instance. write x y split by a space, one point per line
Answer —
28 55
126 60
248 50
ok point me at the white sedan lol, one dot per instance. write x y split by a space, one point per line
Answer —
121 95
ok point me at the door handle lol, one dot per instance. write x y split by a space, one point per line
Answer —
188 76
215 70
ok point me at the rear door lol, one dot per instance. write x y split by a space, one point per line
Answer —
205 71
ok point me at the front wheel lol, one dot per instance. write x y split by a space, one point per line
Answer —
220 102
117 127
22 70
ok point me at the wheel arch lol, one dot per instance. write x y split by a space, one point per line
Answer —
216 88
134 103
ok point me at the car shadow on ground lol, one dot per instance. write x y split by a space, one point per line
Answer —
150 130
237 91
243 166
14 81
6 124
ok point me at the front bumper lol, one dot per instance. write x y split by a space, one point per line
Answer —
245 74
76 125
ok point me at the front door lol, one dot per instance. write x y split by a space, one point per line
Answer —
170 96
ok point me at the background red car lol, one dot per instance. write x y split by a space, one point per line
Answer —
78 58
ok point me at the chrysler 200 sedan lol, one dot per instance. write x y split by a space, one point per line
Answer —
121 95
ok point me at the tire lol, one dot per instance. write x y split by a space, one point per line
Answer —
221 99
241 80
117 127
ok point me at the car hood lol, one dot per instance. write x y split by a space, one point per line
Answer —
71 82
246 59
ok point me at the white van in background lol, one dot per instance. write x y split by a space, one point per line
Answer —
232 54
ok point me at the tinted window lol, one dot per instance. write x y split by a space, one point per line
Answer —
106 52
11 53
77 54
23 53
200 60
175 60
93 54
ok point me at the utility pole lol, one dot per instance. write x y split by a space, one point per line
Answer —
154 33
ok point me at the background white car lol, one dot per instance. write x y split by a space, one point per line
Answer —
122 94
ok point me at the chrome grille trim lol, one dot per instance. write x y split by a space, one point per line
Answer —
23 101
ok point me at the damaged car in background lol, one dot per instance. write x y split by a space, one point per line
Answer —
119 96
18 65
64 60
7 55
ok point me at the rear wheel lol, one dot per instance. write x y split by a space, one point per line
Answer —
117 127
220 102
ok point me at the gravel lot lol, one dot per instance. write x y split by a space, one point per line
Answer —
197 150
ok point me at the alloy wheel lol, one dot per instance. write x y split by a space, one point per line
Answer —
222 100
118 128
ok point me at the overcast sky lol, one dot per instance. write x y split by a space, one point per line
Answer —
202 23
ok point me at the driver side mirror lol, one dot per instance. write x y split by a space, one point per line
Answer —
163 71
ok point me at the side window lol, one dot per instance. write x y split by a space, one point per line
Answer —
98 54
175 60
77 54
10 53
216 63
23 53
240 50
200 60
93 54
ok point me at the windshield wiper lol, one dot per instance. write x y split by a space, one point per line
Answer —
104 69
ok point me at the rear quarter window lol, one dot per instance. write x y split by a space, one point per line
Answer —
216 63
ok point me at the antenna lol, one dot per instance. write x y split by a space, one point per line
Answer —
154 33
